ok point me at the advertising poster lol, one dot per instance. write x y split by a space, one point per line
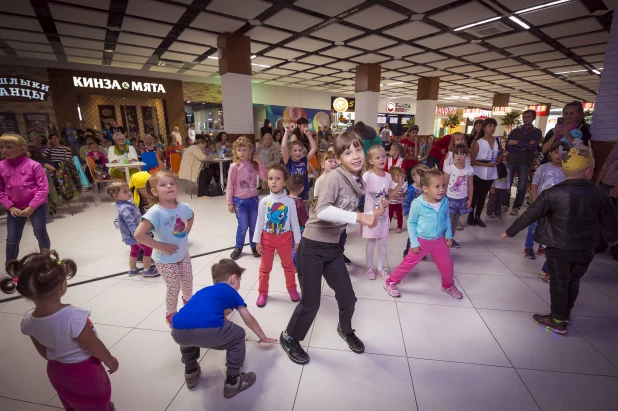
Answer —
129 117
289 115
106 114
36 125
8 123
148 116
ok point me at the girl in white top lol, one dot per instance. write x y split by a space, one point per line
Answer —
486 153
328 163
458 138
61 333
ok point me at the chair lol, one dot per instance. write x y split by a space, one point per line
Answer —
99 183
157 169
175 160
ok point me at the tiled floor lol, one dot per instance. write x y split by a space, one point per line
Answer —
425 351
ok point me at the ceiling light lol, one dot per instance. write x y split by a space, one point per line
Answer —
255 22
254 56
518 21
542 6
108 50
478 23
260 65
113 28
417 17
188 101
381 85
394 84
455 97
213 57
339 43
596 72
574 71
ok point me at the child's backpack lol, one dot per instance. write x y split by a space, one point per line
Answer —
67 181
53 201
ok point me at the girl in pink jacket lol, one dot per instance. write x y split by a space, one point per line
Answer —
23 191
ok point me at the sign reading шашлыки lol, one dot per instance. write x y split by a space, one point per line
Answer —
104 83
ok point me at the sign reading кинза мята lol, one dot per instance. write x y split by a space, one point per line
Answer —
104 83
19 89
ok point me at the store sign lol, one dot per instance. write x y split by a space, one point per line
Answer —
446 111
541 109
342 104
18 89
500 111
89 82
397 107
476 113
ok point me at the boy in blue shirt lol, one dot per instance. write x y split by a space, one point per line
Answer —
201 323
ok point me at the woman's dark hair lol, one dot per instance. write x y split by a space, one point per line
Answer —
37 274
266 123
43 141
91 137
488 120
473 135
576 104
220 136
52 136
275 133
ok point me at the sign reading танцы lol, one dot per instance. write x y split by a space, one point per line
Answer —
18 89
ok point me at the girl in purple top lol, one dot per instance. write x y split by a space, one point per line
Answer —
242 194
23 191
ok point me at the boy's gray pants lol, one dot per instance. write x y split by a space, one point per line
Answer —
229 337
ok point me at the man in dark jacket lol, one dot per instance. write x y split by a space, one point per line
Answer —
570 215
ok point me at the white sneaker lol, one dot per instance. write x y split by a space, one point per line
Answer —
370 273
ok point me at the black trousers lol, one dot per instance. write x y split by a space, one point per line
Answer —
566 268
433 162
603 246
481 188
203 181
314 260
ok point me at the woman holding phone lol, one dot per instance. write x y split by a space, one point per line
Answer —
570 126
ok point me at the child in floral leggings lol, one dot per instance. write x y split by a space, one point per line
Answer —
171 223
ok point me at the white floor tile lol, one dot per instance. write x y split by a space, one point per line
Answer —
150 372
363 287
602 333
602 269
610 289
376 324
275 388
556 391
14 405
501 293
530 346
520 265
456 334
364 382
273 318
590 301
466 387
426 287
11 331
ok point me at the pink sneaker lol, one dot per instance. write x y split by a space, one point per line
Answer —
261 301
453 292
294 296
370 274
384 273
392 290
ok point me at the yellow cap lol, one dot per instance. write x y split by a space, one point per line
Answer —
576 161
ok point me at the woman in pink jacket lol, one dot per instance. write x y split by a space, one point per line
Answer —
23 191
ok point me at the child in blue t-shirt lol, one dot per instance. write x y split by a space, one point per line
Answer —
413 191
201 323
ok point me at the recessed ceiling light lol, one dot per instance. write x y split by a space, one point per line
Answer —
394 84
596 72
254 56
542 6
417 17
108 50
255 22
518 21
478 23
213 57
339 43
188 101
113 28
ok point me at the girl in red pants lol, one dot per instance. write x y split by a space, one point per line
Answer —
276 226
430 232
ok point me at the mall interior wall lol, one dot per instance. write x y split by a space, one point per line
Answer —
293 97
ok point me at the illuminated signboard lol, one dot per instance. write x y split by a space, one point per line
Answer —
19 89
446 111
104 83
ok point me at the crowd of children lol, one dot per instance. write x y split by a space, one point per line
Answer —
313 242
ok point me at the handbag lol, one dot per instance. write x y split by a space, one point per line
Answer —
500 167
214 190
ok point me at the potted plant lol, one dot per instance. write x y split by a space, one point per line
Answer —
452 121
511 119
410 123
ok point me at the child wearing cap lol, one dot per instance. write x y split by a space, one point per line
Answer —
571 237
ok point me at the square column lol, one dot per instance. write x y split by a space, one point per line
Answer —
367 93
236 94
426 103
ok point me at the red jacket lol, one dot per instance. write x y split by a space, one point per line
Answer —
439 145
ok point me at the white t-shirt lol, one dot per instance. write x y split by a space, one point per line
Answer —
401 191
458 181
449 160
486 152
58 333
435 206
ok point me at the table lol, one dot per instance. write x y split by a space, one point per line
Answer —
221 161
126 167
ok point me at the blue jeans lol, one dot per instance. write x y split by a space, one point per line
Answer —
246 210
523 173
530 236
15 229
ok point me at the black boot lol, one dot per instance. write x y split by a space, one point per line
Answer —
471 219
255 252
236 254
479 222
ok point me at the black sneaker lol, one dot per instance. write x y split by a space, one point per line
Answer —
479 222
541 251
550 324
244 380
529 253
355 344
236 254
347 260
255 253
293 349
